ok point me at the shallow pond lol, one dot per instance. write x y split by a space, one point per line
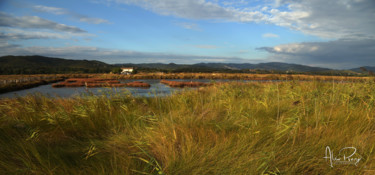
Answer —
156 89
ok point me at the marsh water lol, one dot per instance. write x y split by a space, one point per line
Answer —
156 89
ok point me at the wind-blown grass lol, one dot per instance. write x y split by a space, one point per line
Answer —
235 128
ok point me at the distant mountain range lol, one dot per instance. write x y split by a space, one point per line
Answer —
266 66
272 66
40 64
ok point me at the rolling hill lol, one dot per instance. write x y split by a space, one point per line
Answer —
366 68
230 67
266 66
40 64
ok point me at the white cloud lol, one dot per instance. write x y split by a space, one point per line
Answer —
93 20
270 35
14 34
53 10
35 22
328 19
32 27
62 11
30 35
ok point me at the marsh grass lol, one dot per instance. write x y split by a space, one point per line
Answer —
232 128
236 76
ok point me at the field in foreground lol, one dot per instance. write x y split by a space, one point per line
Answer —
250 128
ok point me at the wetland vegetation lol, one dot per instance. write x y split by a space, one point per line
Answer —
230 128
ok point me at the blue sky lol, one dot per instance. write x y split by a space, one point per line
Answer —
335 34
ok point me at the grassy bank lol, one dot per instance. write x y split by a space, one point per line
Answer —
9 83
251 128
26 85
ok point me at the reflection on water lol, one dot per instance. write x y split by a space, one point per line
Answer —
157 89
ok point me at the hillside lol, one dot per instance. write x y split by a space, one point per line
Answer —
231 66
266 66
47 65
364 69
40 64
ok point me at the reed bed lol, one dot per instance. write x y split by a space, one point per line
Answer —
138 84
10 83
98 82
232 128
17 82
88 82
19 85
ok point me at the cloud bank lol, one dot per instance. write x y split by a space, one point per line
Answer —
349 24
34 22
341 53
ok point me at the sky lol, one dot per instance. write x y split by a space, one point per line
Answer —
337 34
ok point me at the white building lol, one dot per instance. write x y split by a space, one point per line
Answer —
127 70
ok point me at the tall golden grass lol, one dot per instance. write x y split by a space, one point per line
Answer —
232 128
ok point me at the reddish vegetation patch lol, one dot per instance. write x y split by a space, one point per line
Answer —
78 84
183 84
138 84
57 85
97 82
118 85
89 82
